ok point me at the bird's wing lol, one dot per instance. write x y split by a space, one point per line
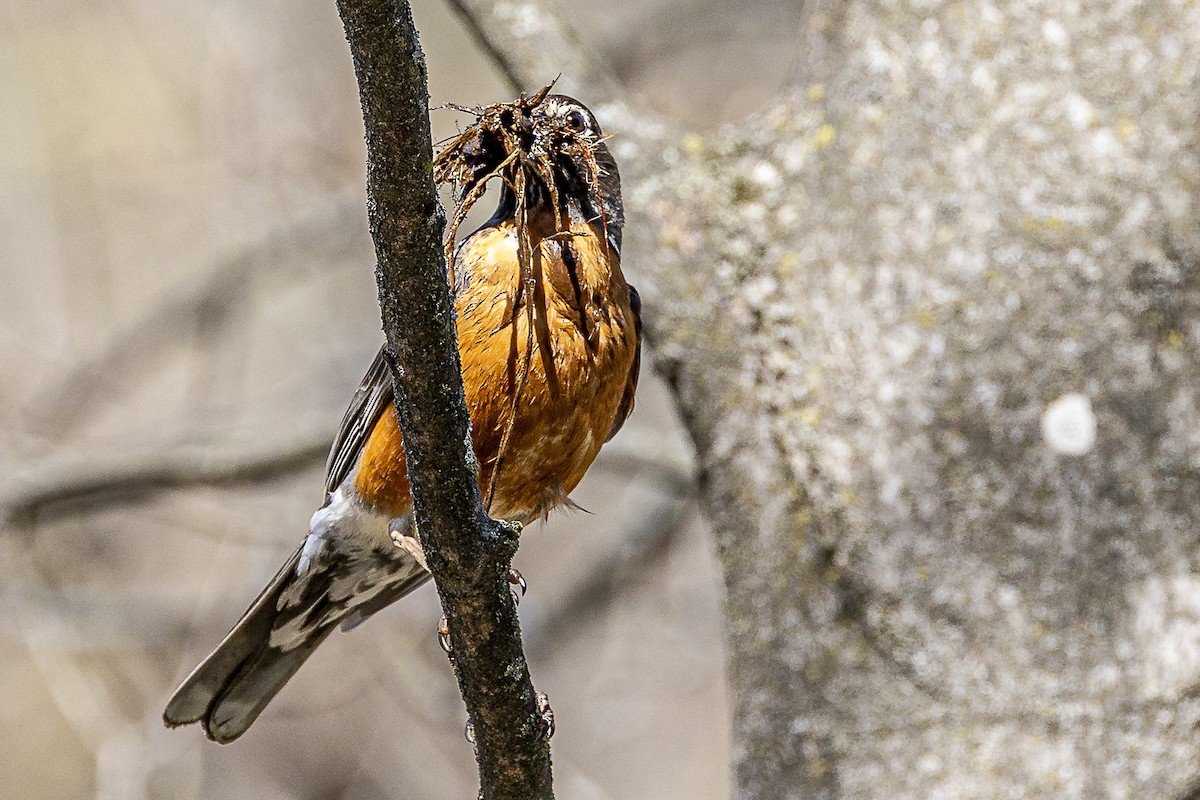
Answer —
331 579
369 402
626 406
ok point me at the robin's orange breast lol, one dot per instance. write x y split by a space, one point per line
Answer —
584 345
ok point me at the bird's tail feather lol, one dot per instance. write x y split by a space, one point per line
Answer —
320 586
231 687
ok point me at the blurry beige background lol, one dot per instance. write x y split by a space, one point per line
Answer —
188 303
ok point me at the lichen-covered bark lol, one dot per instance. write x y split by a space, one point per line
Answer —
869 296
933 319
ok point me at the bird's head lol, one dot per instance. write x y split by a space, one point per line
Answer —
551 145
572 132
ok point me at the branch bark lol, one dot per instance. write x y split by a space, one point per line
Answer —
468 553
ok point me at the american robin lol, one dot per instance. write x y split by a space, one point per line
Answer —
541 406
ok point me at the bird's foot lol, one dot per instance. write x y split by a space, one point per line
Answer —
406 539
545 721
545 717
516 585
443 633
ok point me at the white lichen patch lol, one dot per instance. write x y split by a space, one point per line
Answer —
1069 426
1055 33
767 175
1167 627
1080 112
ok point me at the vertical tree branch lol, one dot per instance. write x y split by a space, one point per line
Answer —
468 553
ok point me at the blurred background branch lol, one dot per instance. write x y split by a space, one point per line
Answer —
83 486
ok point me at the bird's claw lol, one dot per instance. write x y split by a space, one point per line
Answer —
545 717
443 633
407 541
516 582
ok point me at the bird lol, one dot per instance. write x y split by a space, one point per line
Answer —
541 404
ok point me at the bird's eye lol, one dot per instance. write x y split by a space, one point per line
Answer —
575 120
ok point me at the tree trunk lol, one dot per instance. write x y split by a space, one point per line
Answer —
933 320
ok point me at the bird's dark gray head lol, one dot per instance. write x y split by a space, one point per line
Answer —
549 143
564 118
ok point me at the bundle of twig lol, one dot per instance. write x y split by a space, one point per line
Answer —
514 143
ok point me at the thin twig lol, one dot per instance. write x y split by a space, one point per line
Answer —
81 486
533 43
